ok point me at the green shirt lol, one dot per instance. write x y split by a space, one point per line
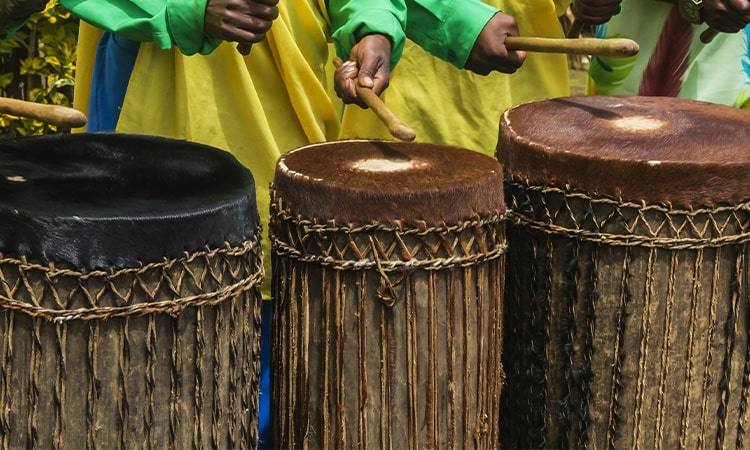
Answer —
445 28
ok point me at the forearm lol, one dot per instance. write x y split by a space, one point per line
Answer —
447 28
351 20
171 23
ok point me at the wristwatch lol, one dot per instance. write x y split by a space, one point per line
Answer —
691 10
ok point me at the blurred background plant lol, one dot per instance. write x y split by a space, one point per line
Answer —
38 64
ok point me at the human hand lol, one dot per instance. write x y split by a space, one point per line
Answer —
243 21
595 12
369 66
489 52
18 9
727 16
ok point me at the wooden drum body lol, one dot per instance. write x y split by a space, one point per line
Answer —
626 322
129 299
388 282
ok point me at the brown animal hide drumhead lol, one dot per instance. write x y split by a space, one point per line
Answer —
362 182
656 149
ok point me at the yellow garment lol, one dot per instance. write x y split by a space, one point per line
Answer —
256 107
446 105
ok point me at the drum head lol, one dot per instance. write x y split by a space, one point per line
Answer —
114 200
657 149
360 182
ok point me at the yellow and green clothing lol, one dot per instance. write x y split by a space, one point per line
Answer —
271 101
447 105
717 72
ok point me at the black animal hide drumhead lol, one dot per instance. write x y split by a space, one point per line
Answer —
113 200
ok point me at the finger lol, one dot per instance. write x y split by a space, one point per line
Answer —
381 80
365 78
262 11
740 7
245 29
344 82
244 49
595 15
725 23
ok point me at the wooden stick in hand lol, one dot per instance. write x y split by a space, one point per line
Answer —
396 127
60 116
617 48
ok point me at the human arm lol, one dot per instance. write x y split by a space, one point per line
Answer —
188 25
368 66
595 12
370 35
463 32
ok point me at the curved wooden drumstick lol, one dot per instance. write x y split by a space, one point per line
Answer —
396 127
59 116
617 48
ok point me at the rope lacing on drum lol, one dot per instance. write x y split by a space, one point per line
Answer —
202 278
610 221
368 257
391 249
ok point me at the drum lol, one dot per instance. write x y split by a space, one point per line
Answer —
129 294
388 282
626 319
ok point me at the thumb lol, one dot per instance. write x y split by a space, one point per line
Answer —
365 76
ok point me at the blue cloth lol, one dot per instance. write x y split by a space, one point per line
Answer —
264 399
115 58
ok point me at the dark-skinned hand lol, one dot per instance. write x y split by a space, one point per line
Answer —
369 66
489 52
19 9
595 12
242 21
728 16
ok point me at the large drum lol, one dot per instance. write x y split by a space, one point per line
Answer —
627 286
129 298
388 283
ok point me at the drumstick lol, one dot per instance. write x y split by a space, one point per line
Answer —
396 127
617 48
59 116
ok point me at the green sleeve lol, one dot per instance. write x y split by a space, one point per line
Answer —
447 28
167 23
351 20
11 28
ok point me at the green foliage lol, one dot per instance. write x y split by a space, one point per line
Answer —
38 64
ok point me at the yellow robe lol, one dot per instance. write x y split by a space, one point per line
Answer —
446 105
257 107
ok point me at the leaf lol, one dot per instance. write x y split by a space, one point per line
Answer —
6 79
52 60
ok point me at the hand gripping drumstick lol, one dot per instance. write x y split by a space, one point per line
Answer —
396 127
617 48
59 116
